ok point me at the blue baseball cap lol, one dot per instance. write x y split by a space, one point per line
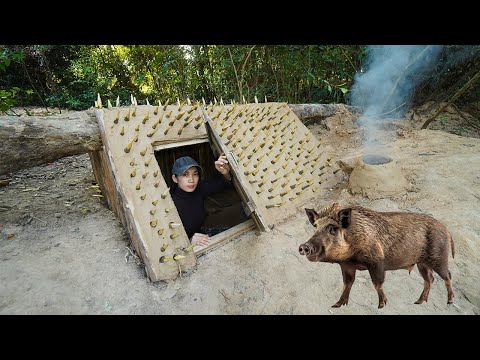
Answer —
183 164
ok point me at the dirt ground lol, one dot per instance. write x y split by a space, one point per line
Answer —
62 251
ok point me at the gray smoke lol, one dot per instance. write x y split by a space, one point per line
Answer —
385 88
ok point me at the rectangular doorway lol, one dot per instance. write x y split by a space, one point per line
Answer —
226 216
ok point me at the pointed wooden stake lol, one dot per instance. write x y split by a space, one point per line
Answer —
164 247
165 106
165 193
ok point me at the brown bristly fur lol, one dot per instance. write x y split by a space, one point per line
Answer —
359 238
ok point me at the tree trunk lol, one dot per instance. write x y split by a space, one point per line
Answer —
310 113
34 140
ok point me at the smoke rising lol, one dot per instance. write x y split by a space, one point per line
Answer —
385 88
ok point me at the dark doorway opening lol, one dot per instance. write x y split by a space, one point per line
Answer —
224 209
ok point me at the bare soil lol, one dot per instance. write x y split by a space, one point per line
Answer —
62 251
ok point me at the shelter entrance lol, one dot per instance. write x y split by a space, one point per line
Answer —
226 216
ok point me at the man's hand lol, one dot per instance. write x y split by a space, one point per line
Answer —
200 239
222 165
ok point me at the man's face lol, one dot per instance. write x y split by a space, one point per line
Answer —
188 181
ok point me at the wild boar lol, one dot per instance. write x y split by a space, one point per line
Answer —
358 238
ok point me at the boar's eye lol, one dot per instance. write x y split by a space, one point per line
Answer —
332 229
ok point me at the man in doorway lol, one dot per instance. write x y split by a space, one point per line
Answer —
190 193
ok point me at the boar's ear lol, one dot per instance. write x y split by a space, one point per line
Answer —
312 215
345 217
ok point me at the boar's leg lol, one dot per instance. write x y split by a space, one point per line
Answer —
427 274
439 239
377 273
448 284
444 273
348 273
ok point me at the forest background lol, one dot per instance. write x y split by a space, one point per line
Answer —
71 76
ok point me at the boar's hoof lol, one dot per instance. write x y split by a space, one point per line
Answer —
340 303
382 303
421 299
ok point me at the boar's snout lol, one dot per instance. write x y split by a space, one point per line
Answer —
306 249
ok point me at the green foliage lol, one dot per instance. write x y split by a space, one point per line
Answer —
71 76
7 98
443 119
7 95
